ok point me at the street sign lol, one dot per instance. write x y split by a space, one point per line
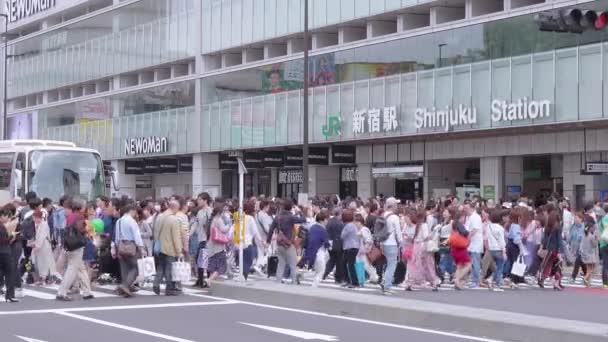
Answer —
596 167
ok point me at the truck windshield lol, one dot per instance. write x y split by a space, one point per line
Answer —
53 174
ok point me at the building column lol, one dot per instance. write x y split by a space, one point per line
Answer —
312 180
514 176
274 183
492 177
206 174
125 183
581 188
365 181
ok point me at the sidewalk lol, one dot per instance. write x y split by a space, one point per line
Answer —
521 315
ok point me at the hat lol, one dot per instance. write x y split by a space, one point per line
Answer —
392 201
523 205
507 205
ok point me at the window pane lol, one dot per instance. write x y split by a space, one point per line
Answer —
247 21
270 21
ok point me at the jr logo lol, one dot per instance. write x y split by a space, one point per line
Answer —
333 126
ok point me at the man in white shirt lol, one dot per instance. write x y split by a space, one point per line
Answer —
475 228
567 216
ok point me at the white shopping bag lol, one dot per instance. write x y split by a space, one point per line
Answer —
519 267
146 267
181 271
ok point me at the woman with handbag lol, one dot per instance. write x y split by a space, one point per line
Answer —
459 242
42 251
351 245
515 246
497 248
367 244
318 244
446 262
589 249
549 252
221 224
421 263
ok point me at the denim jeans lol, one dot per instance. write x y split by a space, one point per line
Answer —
391 253
476 263
446 262
500 262
248 256
165 262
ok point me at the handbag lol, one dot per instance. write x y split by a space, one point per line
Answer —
374 254
432 246
407 252
181 271
519 267
217 236
456 240
145 268
202 261
126 248
283 240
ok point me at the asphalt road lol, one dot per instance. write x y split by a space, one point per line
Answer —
193 317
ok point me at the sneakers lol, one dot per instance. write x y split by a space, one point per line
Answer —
89 297
497 289
63 298
258 271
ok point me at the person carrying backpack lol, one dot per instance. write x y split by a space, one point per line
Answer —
387 232
74 241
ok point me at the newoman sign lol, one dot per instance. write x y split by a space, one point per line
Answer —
20 9
146 145
502 111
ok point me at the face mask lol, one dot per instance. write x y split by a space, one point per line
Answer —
157 207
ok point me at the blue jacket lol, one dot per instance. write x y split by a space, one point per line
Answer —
317 238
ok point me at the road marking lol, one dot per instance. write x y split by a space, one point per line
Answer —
29 339
365 321
295 333
122 307
123 327
38 294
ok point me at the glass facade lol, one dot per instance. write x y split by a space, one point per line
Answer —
231 23
145 34
497 74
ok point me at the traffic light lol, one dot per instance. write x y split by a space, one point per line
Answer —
572 20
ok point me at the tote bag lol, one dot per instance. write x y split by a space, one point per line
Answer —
519 267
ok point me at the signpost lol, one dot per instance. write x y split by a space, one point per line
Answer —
596 168
242 171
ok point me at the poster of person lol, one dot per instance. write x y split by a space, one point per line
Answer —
281 77
322 70
20 126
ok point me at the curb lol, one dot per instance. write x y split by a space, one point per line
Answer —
492 324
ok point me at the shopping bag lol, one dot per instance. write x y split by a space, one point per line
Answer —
519 267
146 268
203 258
432 246
360 269
181 271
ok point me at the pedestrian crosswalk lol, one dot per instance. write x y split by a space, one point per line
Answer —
49 292
530 283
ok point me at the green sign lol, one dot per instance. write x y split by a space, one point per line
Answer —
333 126
489 192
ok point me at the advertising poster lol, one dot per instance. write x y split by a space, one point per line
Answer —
20 126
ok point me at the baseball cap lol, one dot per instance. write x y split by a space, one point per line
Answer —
392 201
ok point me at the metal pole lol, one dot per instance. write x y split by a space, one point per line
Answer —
241 219
4 98
440 53
305 121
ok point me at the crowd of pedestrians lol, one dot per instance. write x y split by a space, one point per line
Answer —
473 243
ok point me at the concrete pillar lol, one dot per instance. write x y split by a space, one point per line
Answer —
377 28
295 45
274 183
492 177
252 55
514 175
410 21
365 181
328 180
231 59
350 34
441 15
206 174
312 180
126 183
321 40
581 188
274 50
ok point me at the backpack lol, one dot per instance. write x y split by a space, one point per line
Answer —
28 228
381 231
73 240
